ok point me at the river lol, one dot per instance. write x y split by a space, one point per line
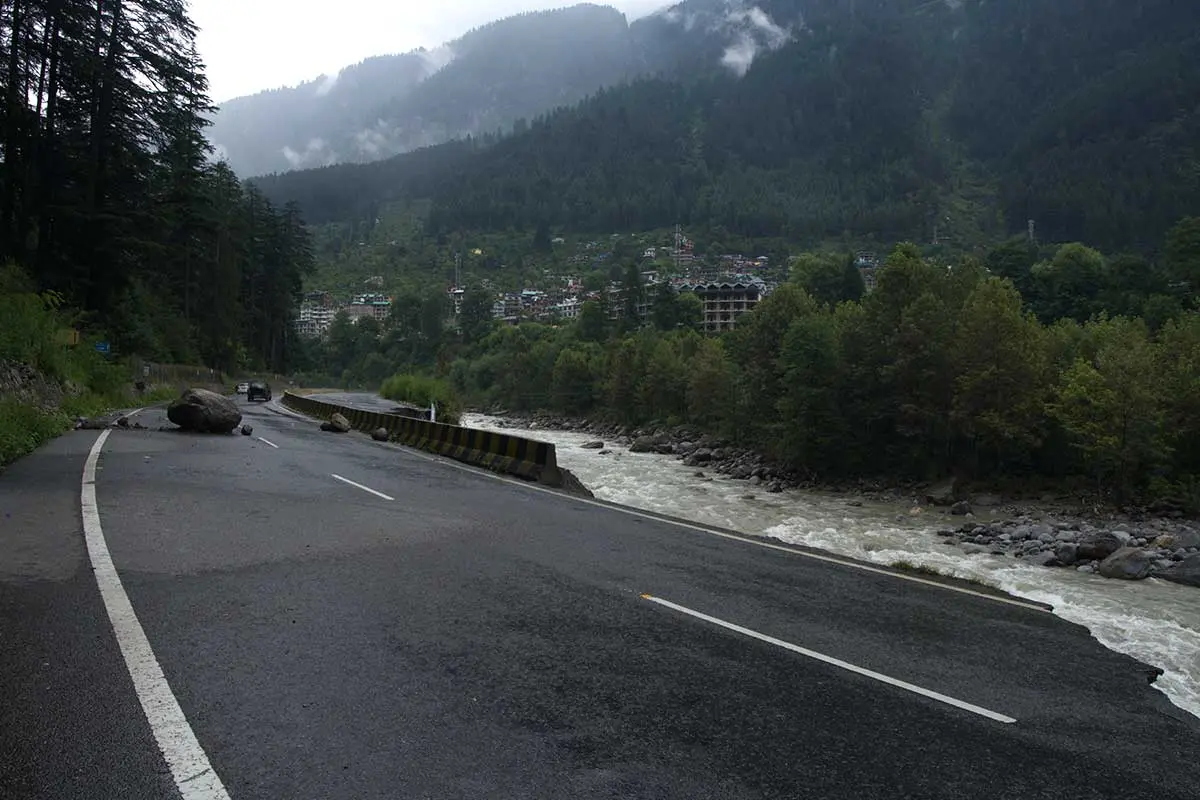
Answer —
1154 621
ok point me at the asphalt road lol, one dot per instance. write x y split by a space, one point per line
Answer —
364 400
471 637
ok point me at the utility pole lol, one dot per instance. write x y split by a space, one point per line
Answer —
678 246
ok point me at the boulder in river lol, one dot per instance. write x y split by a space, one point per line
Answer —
380 434
202 411
942 494
592 445
1128 563
1099 546
642 444
247 430
1186 572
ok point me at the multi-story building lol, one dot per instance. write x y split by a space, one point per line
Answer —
725 302
376 306
316 314
567 308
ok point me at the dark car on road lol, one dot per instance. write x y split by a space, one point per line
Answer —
258 390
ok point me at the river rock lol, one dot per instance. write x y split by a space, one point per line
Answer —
202 411
987 500
592 445
1182 538
961 508
380 434
1186 572
642 444
1128 563
1099 546
1067 553
1043 558
943 493
247 430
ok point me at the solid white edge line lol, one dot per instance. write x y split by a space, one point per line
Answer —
837 662
360 486
190 767
264 441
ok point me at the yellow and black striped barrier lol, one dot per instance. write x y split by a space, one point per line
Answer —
499 452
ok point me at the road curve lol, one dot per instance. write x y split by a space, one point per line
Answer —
339 618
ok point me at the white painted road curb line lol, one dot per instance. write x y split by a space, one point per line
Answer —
360 486
194 775
837 662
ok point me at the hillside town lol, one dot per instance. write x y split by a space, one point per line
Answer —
728 286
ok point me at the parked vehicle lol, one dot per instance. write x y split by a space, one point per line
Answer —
258 390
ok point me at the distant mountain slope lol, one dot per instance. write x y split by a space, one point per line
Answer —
816 119
482 82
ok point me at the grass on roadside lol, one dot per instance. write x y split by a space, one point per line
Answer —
421 391
24 428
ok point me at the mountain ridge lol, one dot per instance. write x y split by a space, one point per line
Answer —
485 81
384 105
885 119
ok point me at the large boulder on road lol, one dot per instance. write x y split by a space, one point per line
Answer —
202 411
337 424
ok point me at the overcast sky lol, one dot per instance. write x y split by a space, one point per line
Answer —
251 45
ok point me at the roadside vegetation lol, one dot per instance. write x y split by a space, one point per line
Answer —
423 391
1041 366
45 381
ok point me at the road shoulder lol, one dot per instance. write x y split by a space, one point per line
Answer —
70 724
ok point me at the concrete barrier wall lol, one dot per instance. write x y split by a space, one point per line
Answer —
500 452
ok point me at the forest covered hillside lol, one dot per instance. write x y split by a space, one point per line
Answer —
875 119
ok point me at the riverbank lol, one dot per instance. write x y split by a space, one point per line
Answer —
1036 524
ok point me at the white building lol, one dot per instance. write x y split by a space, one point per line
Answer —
376 306
314 320
567 308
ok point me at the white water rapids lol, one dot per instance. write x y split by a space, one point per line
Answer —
1154 621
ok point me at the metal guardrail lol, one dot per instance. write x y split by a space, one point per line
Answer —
151 373
500 452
